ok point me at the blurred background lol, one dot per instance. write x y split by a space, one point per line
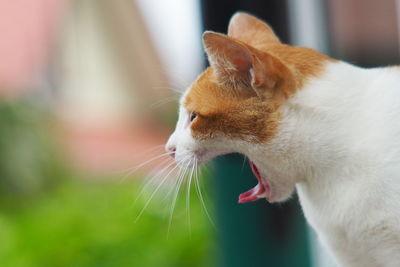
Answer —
88 92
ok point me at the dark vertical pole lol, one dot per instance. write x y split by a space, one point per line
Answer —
255 234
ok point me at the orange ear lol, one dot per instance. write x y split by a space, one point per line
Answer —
239 65
251 30
224 52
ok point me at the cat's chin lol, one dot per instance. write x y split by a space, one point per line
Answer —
281 194
267 187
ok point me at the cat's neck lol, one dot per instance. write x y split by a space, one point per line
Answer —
318 129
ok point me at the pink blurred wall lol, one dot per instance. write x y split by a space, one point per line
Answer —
27 30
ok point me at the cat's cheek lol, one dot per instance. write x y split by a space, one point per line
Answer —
186 146
201 151
205 155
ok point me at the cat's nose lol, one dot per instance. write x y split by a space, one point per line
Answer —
171 150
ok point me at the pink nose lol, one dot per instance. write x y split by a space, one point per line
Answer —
171 150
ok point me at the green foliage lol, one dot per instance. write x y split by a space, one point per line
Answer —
93 224
29 162
49 219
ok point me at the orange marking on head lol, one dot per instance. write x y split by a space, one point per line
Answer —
252 74
235 114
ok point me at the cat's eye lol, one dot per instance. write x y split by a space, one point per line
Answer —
193 116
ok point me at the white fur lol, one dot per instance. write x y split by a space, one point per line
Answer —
339 144
341 136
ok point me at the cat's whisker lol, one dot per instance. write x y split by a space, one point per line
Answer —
175 83
174 89
151 149
158 165
160 168
143 153
155 191
151 179
243 163
180 172
136 168
163 101
201 196
179 183
177 86
180 177
189 181
173 185
206 169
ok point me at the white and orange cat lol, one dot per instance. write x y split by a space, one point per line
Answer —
306 121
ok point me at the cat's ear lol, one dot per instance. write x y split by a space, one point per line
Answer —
251 30
241 66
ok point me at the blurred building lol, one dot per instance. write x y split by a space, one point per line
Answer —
28 31
119 66
365 32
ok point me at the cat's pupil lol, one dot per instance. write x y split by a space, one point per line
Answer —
193 115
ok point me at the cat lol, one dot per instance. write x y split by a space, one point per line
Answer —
305 121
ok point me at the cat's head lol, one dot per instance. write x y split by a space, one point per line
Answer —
235 105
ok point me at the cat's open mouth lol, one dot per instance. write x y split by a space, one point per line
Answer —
261 190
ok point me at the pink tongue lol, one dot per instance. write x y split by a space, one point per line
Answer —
255 193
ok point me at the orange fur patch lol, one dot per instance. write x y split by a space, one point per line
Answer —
242 114
304 62
230 113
